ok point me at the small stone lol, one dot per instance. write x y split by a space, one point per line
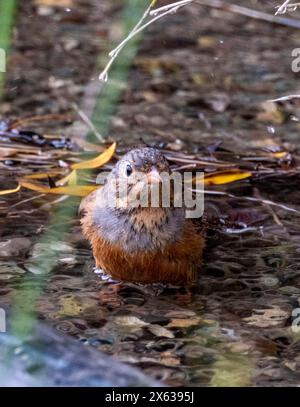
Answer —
34 269
160 331
9 270
130 321
265 318
70 44
55 83
68 260
270 281
289 290
184 322
291 365
55 247
14 247
45 11
240 347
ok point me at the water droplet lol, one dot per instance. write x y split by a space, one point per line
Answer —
271 129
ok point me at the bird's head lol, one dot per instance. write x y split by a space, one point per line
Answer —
137 177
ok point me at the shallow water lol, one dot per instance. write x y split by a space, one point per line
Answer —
235 326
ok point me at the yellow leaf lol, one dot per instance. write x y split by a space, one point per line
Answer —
232 370
226 177
270 113
280 154
199 79
74 190
184 322
43 175
97 162
70 179
10 191
70 307
54 3
206 41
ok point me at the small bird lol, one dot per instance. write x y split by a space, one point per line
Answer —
142 244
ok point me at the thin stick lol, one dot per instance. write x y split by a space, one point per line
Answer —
44 118
174 7
170 6
285 98
33 198
137 26
248 198
282 8
290 22
269 209
200 162
54 202
87 121
103 77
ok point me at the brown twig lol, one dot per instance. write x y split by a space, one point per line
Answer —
44 118
33 198
88 122
271 211
249 198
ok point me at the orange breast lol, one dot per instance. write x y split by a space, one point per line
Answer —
177 263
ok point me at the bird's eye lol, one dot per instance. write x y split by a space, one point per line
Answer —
129 170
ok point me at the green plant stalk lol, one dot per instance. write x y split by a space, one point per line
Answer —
23 318
24 309
110 93
7 16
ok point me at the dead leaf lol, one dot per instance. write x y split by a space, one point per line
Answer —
97 162
169 361
291 365
7 152
130 321
10 191
184 322
270 113
70 179
280 154
199 79
217 102
265 318
153 65
70 306
240 347
232 370
206 41
74 190
160 331
54 3
43 175
226 177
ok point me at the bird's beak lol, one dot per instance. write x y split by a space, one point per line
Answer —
153 177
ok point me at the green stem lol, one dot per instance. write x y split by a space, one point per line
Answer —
109 95
24 310
7 15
